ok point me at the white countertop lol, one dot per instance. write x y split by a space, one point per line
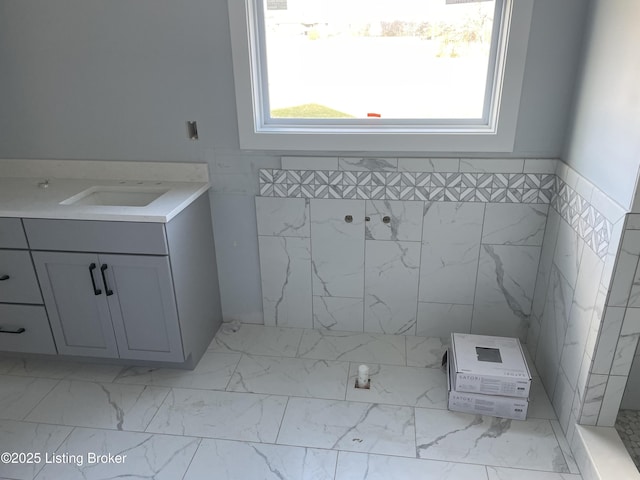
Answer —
22 196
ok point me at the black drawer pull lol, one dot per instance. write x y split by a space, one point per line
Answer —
18 331
4 277
96 291
104 279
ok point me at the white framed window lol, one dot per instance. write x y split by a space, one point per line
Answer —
373 75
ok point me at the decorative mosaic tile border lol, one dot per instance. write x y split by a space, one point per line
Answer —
592 226
584 218
435 187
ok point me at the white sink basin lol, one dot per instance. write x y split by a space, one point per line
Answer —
116 196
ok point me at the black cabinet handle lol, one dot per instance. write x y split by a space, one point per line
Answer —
96 291
104 279
4 277
18 331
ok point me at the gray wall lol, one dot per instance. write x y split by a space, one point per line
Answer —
604 141
117 80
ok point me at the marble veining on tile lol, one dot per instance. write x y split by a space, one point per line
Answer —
506 280
338 313
405 220
514 224
337 247
28 437
258 340
593 399
99 405
54 368
232 416
161 457
351 426
231 460
362 347
391 287
583 307
555 320
290 376
361 466
546 261
280 217
488 440
19 395
213 372
501 473
285 266
609 334
450 249
426 351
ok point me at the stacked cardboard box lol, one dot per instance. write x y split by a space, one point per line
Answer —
488 376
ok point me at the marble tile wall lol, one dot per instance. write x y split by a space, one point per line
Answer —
430 269
574 329
615 374
440 264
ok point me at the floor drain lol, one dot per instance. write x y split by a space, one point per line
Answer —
366 386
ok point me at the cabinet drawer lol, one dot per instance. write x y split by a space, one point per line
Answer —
12 234
18 283
96 236
36 336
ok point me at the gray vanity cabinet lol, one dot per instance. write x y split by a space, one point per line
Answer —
78 314
133 291
111 305
139 291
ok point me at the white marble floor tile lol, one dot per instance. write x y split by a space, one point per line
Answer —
99 405
52 368
213 372
19 395
259 340
488 440
564 446
161 457
361 466
426 351
228 460
298 377
232 416
353 347
397 385
28 437
499 473
351 426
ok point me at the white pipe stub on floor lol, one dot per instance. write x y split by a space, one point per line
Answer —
363 377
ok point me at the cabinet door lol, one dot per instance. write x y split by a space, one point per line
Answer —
78 314
141 299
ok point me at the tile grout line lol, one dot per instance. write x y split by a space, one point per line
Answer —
284 413
57 449
235 369
555 435
422 226
195 452
146 427
475 287
43 397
